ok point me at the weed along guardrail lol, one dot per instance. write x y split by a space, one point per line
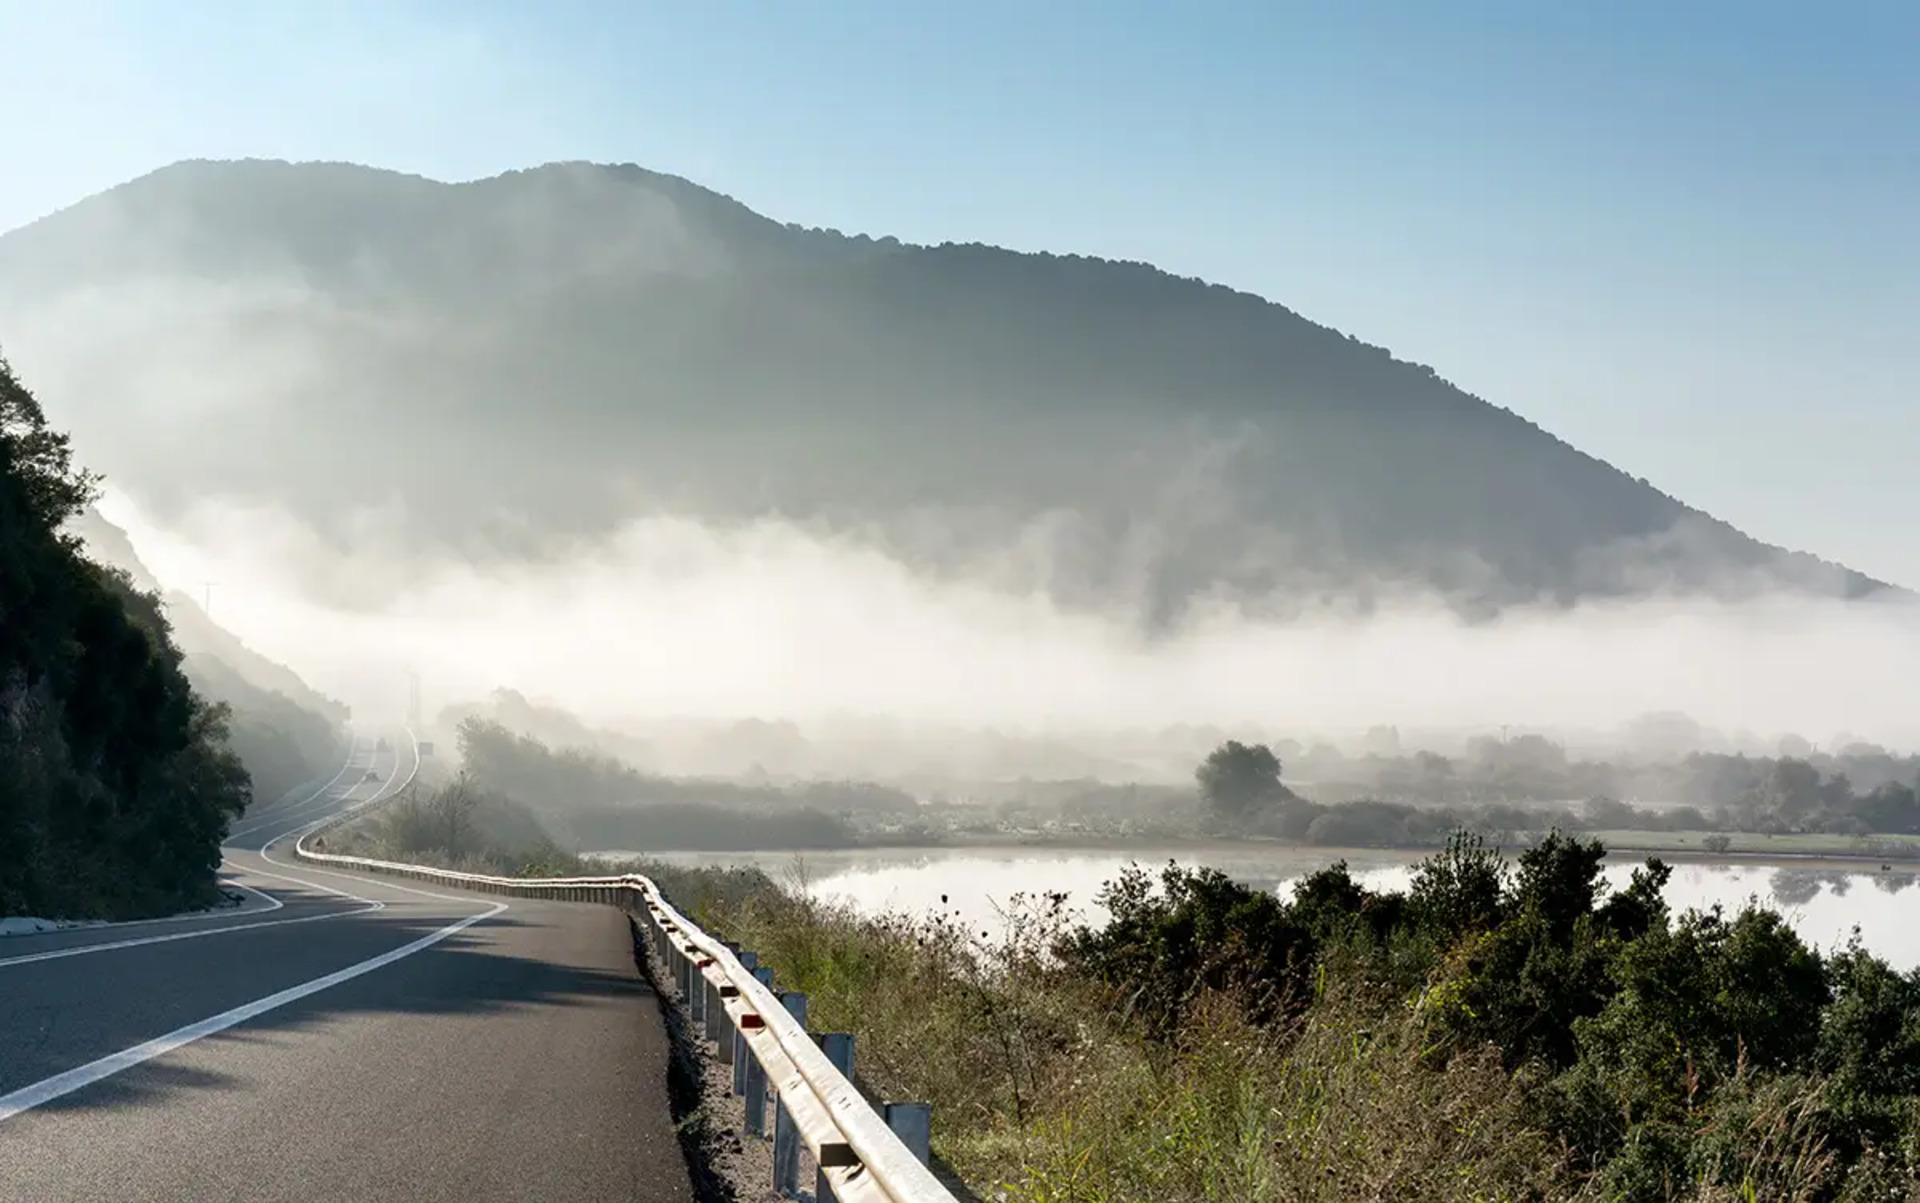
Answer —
862 1154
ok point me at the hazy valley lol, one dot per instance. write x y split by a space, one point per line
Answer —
615 441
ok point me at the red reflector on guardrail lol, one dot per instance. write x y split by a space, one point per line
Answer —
753 1020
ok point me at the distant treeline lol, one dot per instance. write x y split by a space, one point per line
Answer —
1532 768
589 800
1242 789
116 780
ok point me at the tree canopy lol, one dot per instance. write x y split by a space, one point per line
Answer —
1237 780
116 782
1660 1050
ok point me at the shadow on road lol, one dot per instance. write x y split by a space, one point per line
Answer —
546 956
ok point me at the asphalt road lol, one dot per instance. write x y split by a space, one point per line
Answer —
341 1037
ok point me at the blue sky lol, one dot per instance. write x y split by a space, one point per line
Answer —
1686 238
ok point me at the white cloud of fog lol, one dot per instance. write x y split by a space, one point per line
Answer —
673 618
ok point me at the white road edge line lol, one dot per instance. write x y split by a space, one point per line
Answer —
353 749
48 1089
369 905
389 788
273 904
81 950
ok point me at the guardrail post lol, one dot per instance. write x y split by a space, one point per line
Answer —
738 1043
913 1124
716 1014
786 1142
724 1036
754 1090
713 1002
796 1005
838 1046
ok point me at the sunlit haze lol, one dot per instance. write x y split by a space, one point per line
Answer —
1728 316
1680 237
673 619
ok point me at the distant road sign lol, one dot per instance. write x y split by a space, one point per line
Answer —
426 749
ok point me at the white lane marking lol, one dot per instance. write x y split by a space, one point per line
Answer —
353 749
311 885
368 906
273 904
292 813
386 789
58 954
370 880
286 810
48 1089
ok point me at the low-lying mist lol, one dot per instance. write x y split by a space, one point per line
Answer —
676 619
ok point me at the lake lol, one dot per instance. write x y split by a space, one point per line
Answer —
1824 904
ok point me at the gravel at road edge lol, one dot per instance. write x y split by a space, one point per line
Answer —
727 1165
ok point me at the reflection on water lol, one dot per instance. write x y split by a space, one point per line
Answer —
1824 905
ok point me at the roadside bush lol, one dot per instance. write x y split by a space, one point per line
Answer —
1501 1030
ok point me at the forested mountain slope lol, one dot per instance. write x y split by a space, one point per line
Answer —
285 732
116 781
544 354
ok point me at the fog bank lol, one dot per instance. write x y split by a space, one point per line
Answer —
672 617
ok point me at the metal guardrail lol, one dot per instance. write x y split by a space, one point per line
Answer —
862 1155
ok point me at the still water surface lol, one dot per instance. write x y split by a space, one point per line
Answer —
1823 904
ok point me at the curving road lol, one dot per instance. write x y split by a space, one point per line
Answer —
339 1037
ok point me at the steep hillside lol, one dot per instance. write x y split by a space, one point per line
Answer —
116 780
284 732
537 356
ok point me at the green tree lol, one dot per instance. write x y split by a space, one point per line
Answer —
39 458
116 781
1791 789
1459 888
1238 780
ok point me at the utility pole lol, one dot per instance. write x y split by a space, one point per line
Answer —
206 597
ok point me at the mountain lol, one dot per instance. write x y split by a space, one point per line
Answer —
511 364
284 732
